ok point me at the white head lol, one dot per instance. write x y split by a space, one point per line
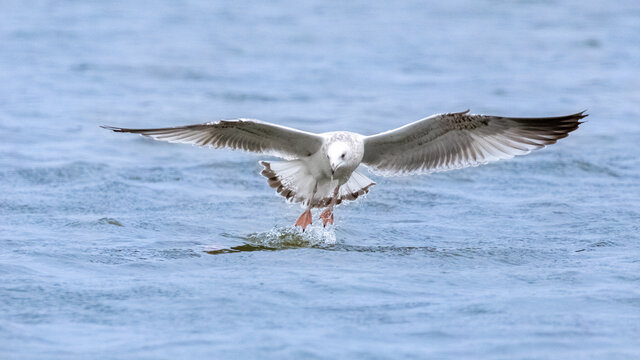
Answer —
340 155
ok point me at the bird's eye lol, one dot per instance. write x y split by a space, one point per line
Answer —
343 155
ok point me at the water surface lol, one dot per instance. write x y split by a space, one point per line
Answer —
114 246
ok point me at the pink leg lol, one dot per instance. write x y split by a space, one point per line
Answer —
327 215
304 220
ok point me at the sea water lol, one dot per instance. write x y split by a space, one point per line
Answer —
116 246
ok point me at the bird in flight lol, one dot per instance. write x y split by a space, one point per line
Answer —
321 170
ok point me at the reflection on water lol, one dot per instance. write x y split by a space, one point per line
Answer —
242 248
285 238
246 247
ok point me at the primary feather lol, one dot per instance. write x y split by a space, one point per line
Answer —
240 134
456 140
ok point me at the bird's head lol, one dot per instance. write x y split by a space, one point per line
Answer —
339 156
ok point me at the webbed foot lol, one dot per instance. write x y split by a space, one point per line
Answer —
304 220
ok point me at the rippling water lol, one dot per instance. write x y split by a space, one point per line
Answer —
113 246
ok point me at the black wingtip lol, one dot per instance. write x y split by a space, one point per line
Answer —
581 115
112 128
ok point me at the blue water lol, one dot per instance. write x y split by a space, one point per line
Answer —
115 246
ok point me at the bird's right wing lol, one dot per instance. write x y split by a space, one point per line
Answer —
452 141
241 134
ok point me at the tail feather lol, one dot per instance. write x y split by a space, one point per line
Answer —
292 180
357 185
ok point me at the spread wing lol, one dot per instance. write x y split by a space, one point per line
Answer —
241 134
453 141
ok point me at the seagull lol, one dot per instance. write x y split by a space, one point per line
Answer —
323 170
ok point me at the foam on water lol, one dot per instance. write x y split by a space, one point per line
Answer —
281 238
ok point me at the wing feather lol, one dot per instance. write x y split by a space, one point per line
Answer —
456 140
241 134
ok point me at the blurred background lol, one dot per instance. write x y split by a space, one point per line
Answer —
115 246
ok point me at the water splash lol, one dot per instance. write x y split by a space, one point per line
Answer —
282 238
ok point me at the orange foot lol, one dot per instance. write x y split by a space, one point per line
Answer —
327 217
304 220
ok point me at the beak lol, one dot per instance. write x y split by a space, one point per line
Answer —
333 168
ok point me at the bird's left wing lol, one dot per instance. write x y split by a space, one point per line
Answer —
241 134
453 141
